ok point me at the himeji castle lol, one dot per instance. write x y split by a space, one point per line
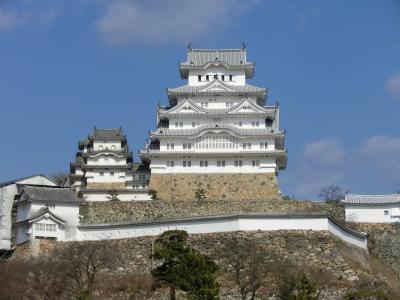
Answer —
215 124
104 164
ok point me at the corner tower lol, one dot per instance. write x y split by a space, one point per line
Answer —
217 133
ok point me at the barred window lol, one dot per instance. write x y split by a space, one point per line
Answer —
213 141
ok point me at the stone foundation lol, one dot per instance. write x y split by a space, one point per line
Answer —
218 186
117 212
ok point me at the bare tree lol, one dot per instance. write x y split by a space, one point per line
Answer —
59 177
82 263
249 266
331 193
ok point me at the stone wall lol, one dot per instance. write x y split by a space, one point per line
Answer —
217 186
117 212
383 241
304 250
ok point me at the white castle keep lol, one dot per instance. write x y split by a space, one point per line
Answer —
216 123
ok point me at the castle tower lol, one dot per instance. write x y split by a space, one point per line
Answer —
217 133
104 165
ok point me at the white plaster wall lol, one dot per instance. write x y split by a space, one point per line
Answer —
238 142
223 225
136 195
102 145
160 166
7 194
230 120
95 177
372 214
239 77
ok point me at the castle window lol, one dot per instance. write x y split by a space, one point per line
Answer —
207 77
220 163
240 124
199 77
238 163
201 163
257 123
223 77
184 145
111 173
100 147
189 163
170 163
215 76
113 147
101 173
386 212
268 122
193 124
253 123
172 146
184 163
189 146
255 163
230 77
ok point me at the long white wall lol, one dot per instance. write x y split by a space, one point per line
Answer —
222 224
372 214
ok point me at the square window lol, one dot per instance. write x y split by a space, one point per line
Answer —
199 77
111 173
101 173
189 163
193 124
386 212
184 163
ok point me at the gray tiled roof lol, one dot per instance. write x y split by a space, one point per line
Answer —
200 57
187 89
107 134
2 184
371 199
190 132
48 194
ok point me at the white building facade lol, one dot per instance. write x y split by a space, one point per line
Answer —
8 191
216 123
372 208
104 164
44 212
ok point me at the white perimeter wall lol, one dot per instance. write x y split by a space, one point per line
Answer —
222 224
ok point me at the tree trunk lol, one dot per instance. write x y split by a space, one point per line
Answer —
172 293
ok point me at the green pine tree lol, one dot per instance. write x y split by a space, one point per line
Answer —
184 268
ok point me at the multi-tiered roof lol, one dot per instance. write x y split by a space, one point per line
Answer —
201 98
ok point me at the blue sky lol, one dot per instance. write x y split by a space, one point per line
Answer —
334 66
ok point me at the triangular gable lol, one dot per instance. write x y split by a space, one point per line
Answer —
46 213
246 105
183 106
216 86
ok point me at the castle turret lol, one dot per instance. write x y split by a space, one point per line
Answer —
104 164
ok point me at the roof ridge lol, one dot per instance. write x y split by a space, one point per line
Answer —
216 49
